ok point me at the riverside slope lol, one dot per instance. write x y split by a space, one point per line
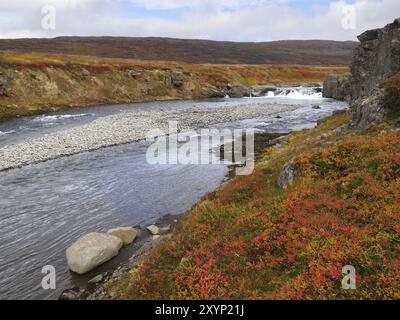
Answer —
123 128
37 83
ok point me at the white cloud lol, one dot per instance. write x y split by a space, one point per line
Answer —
240 20
175 4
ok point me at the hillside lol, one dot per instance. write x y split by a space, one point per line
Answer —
252 239
312 52
36 83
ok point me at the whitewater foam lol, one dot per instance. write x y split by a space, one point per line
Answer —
6 132
300 93
51 118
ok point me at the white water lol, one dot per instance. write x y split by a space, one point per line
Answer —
297 93
271 94
6 132
51 118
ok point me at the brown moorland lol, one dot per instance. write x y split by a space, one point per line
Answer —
303 52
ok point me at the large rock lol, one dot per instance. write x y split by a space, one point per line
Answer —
126 234
368 110
262 91
238 91
337 87
287 175
91 251
376 58
213 92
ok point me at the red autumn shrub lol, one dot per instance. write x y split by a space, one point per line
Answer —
344 209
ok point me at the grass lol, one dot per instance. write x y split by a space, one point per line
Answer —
253 240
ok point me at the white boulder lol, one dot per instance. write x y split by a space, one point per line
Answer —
91 251
126 234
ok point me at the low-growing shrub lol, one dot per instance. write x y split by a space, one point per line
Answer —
251 241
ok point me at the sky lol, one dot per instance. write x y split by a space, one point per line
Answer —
231 20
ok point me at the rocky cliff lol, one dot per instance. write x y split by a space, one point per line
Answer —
376 59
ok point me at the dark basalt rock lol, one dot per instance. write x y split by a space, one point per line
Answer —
376 59
368 110
369 35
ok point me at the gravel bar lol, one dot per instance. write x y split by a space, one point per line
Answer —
124 128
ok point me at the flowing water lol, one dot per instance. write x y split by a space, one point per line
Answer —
45 207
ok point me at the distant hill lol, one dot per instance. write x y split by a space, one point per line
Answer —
307 52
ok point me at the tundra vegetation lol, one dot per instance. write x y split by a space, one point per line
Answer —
252 239
32 83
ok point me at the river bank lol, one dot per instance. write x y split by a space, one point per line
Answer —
48 206
124 128
92 285
95 287
259 238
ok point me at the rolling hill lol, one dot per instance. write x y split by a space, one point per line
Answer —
307 52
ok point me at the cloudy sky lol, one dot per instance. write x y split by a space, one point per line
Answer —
236 20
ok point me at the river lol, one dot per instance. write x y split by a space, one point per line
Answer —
47 206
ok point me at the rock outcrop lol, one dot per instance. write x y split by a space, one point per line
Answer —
261 91
368 110
92 251
238 91
337 87
287 175
376 58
